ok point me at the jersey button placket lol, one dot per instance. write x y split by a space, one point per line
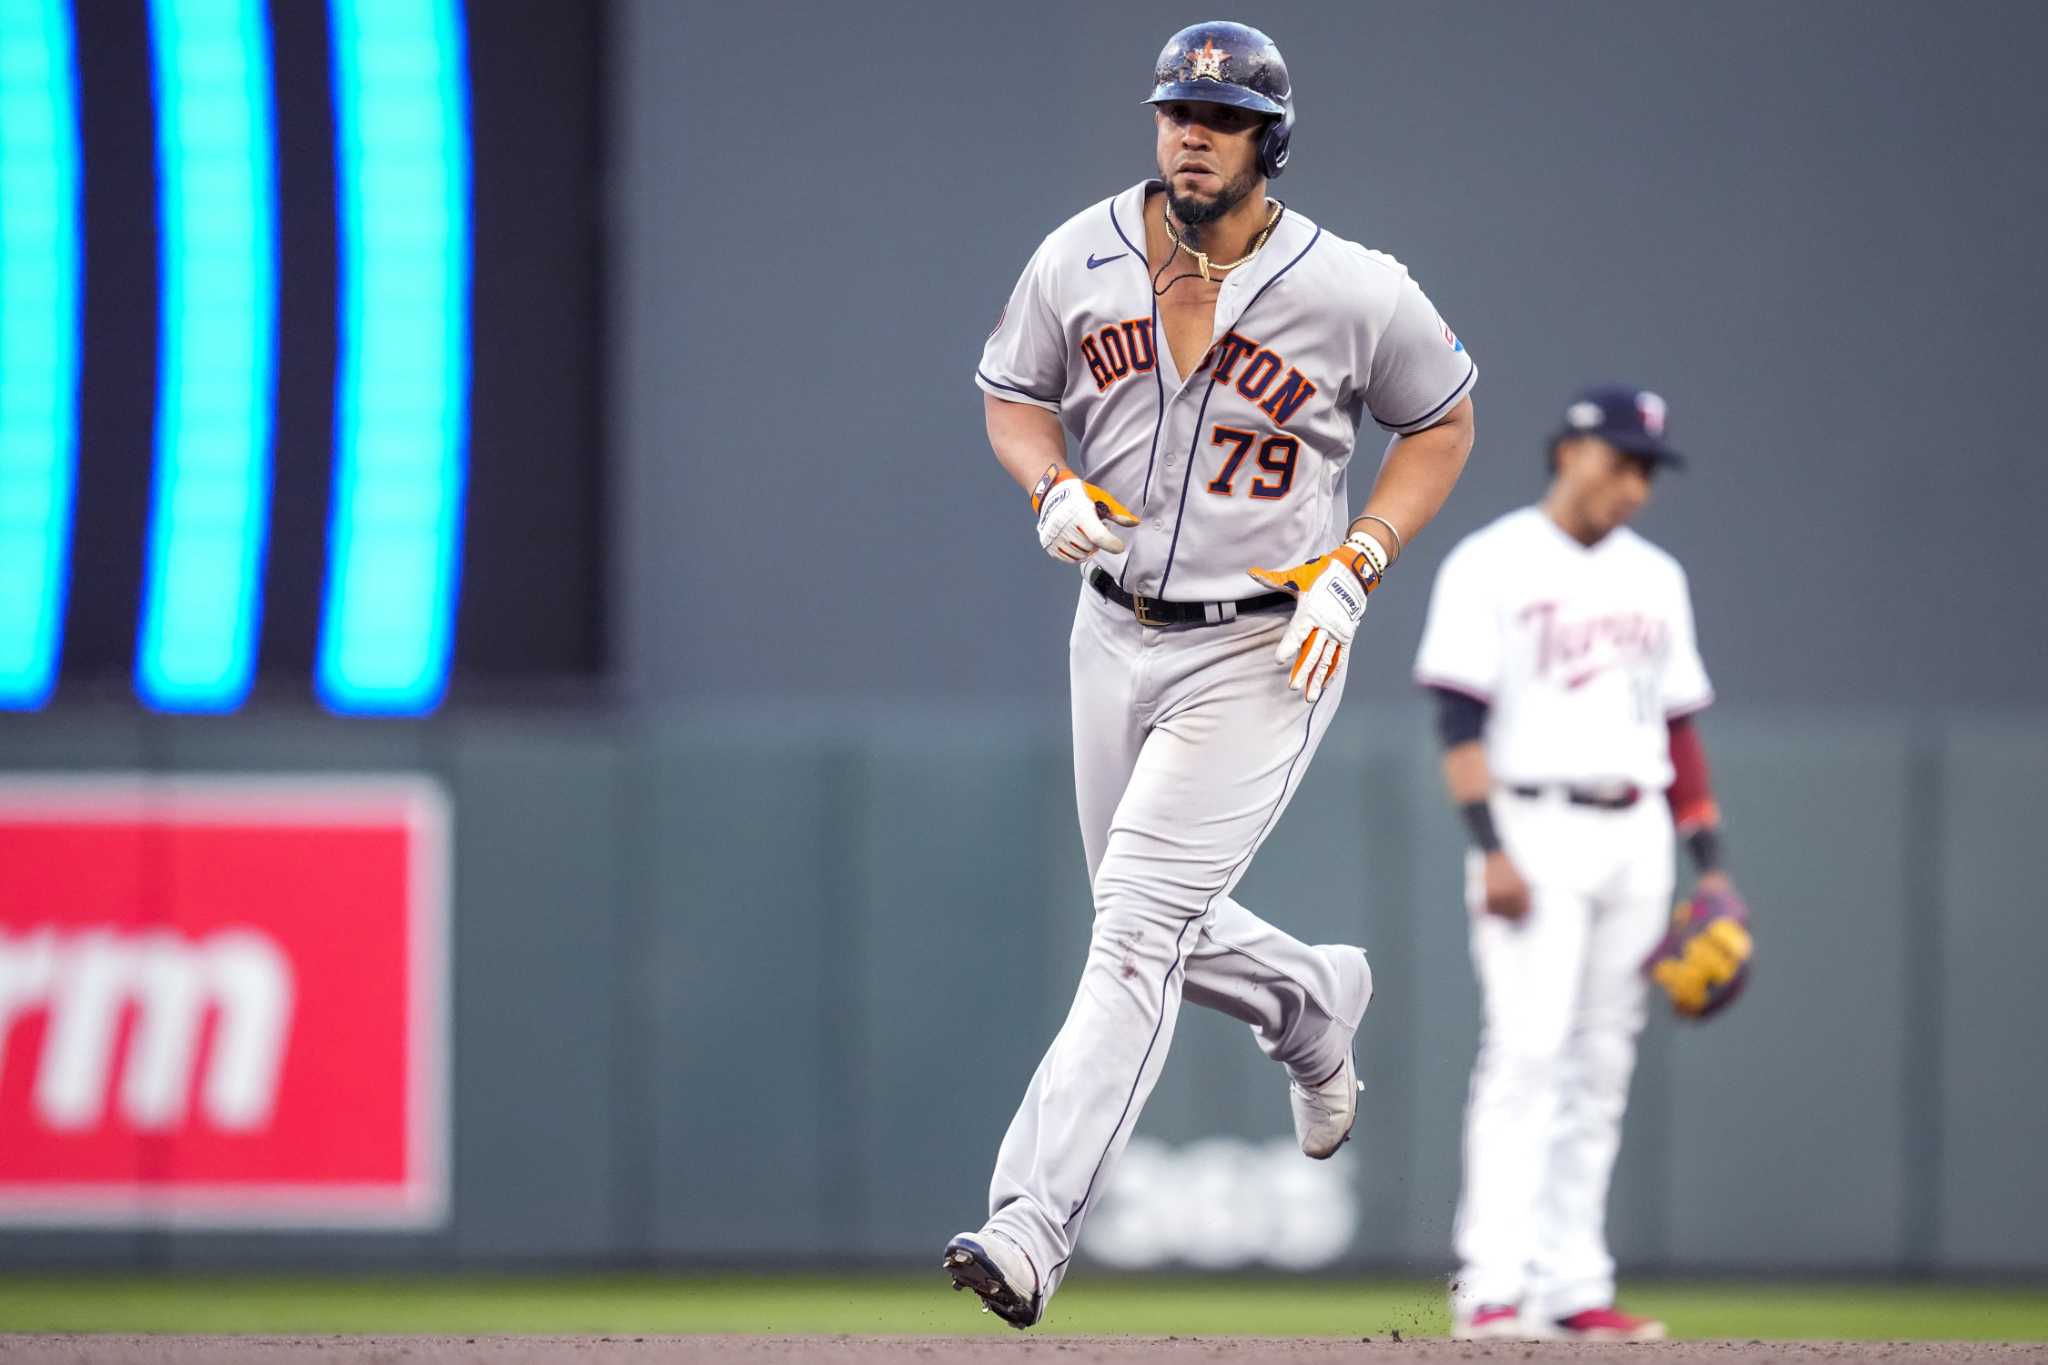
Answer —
1165 497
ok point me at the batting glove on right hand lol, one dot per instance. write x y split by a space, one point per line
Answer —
1331 592
1071 513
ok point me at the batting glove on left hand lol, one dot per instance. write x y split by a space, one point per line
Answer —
1331 590
1071 513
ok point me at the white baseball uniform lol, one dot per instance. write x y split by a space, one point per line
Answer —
1583 655
1187 742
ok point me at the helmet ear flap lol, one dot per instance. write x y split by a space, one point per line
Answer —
1273 140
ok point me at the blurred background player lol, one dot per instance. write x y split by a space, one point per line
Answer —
1560 647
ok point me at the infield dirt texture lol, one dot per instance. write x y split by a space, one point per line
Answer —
858 1318
329 1350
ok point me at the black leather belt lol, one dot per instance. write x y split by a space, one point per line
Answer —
1619 799
1151 611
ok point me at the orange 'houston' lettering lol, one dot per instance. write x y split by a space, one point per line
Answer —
1229 351
1288 398
1258 375
1138 335
1118 351
1113 348
1092 353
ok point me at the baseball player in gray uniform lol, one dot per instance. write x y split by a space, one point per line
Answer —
1213 354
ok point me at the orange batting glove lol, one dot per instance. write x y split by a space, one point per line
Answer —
1071 516
1330 592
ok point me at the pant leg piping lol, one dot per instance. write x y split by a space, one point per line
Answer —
1307 730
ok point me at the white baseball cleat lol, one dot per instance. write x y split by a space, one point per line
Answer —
999 1272
1325 1111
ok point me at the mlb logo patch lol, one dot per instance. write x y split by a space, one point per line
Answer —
1451 339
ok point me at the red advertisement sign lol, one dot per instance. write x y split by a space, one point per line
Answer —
223 1002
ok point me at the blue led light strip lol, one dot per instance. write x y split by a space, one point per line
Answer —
217 358
39 321
402 394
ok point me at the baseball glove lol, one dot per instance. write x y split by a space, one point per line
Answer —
1703 962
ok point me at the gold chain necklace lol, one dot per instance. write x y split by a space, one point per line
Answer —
1202 257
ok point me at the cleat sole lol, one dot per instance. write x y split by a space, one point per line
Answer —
970 1269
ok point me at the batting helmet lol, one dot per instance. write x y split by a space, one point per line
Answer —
1224 63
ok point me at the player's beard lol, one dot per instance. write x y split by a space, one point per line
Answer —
1195 214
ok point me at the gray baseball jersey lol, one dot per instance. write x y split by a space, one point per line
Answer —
1187 743
1241 462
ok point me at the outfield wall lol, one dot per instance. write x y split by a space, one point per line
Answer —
754 986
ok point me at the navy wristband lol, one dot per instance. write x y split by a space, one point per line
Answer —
1704 844
1478 817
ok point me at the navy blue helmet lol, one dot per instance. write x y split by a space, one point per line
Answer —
1224 63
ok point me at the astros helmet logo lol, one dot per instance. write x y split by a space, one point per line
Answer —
1205 63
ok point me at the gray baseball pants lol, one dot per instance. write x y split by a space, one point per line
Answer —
1187 748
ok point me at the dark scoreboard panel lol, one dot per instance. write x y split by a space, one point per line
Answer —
299 350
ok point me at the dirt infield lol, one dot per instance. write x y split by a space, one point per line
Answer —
690 1350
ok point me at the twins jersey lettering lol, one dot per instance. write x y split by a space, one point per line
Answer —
1243 461
1582 653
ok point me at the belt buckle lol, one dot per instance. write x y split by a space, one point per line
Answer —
1142 608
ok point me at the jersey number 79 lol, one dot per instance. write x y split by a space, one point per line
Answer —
1277 455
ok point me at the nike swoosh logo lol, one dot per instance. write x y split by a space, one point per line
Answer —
1093 263
1575 683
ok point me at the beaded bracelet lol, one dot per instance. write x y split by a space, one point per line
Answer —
1369 550
1374 516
